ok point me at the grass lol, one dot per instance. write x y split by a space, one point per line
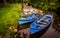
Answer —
9 15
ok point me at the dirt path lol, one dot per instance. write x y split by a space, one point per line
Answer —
27 10
26 32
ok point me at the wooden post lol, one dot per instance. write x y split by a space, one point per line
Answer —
4 1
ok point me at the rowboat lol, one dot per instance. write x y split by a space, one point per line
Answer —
25 21
28 18
40 26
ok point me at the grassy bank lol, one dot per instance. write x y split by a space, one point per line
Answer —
8 17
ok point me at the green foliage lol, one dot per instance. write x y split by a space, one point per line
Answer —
14 1
9 15
45 4
3 28
45 7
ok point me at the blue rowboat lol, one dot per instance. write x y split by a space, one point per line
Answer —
40 26
28 18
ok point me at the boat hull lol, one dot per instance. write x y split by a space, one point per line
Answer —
40 33
40 26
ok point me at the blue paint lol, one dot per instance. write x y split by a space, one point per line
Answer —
29 18
41 23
